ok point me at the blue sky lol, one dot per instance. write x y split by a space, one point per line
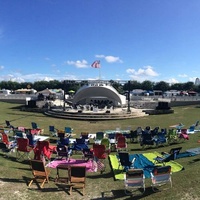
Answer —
156 40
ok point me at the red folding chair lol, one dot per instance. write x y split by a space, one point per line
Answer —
6 145
184 135
5 140
117 135
43 149
23 149
121 143
100 155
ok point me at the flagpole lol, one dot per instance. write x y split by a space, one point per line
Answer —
96 64
99 73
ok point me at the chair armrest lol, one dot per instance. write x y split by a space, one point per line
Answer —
133 160
159 159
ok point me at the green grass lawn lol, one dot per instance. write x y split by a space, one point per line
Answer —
15 175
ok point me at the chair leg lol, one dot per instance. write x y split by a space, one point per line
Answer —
30 183
70 190
83 190
43 182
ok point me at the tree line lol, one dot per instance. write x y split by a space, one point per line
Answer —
120 86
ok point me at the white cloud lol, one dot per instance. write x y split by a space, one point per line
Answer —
110 59
142 74
99 56
172 81
130 71
18 77
78 63
11 77
1 67
183 75
192 79
147 71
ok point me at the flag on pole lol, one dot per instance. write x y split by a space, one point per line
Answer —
96 64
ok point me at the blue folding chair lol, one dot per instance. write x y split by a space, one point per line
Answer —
68 130
79 145
34 125
52 131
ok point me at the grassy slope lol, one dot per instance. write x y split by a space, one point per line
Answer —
13 176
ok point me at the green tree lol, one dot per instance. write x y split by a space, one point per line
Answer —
162 85
177 86
147 85
41 85
133 85
188 86
117 86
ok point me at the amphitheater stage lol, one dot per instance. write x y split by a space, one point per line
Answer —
96 115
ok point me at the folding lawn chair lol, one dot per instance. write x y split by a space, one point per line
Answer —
68 131
43 150
100 155
40 172
183 135
8 125
146 140
161 176
160 138
84 135
62 151
172 136
121 143
34 125
77 177
52 131
87 154
124 161
134 136
79 145
6 149
172 155
106 143
99 137
23 149
5 139
134 179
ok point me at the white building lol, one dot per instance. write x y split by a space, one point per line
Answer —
197 81
5 92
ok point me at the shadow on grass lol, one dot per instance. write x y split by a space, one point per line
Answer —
119 194
60 187
155 147
12 180
101 175
14 159
17 107
39 189
28 179
194 160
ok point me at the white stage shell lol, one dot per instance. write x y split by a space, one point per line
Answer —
98 91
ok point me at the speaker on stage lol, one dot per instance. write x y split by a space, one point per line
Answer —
163 106
32 104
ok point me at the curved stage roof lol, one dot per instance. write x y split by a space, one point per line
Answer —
98 91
